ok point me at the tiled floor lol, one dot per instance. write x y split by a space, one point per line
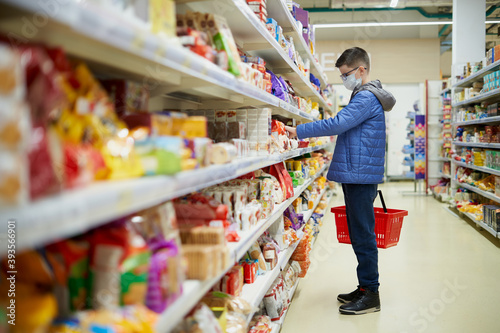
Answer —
443 276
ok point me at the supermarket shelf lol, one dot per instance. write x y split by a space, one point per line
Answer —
255 292
485 194
446 159
477 144
253 36
249 237
478 76
444 175
478 168
477 121
278 10
444 91
482 97
308 214
280 322
194 290
481 224
100 37
76 211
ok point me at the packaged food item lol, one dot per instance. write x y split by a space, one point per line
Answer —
223 153
224 41
270 255
14 173
232 282
165 275
70 260
256 254
200 261
250 270
160 155
162 17
127 96
119 265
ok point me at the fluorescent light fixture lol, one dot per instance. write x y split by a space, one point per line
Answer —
394 3
385 24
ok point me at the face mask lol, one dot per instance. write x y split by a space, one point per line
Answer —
351 82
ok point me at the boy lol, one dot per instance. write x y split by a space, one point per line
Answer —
358 164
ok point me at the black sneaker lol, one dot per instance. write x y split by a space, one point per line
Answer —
346 298
365 302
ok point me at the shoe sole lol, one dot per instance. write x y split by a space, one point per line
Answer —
343 301
371 310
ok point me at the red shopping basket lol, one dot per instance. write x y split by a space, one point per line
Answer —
388 223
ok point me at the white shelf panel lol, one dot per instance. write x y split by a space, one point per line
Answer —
478 168
100 37
485 194
75 211
477 121
255 292
477 144
444 175
278 10
482 97
478 76
195 289
481 224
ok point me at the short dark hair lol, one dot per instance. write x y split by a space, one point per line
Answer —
354 57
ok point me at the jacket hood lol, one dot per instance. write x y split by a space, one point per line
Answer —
384 97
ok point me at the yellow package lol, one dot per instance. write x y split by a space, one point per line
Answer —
162 17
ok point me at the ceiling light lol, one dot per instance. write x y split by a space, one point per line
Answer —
386 24
394 3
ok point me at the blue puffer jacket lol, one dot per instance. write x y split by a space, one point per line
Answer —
359 156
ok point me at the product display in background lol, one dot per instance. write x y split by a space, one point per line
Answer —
420 167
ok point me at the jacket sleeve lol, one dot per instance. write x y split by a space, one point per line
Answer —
356 112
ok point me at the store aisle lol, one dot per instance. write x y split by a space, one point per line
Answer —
441 277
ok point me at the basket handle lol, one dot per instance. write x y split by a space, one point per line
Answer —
382 200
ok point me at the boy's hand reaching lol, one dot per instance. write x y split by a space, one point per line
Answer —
292 131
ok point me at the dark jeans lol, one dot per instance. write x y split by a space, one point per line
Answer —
361 224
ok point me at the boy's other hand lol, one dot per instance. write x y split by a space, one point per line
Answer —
292 131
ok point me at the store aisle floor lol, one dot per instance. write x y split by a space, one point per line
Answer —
443 276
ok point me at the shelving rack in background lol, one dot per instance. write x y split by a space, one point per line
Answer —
457 161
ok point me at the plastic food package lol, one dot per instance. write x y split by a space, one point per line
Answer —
270 255
256 254
202 319
72 257
127 96
165 276
13 179
119 265
224 41
223 153
232 282
250 271
35 307
200 261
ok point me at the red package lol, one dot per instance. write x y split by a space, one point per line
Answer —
250 271
304 266
42 176
279 171
232 282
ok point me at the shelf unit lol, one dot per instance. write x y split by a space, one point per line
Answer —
478 76
485 194
183 81
480 98
477 144
478 168
94 205
492 95
177 70
488 120
193 290
411 132
481 224
255 292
